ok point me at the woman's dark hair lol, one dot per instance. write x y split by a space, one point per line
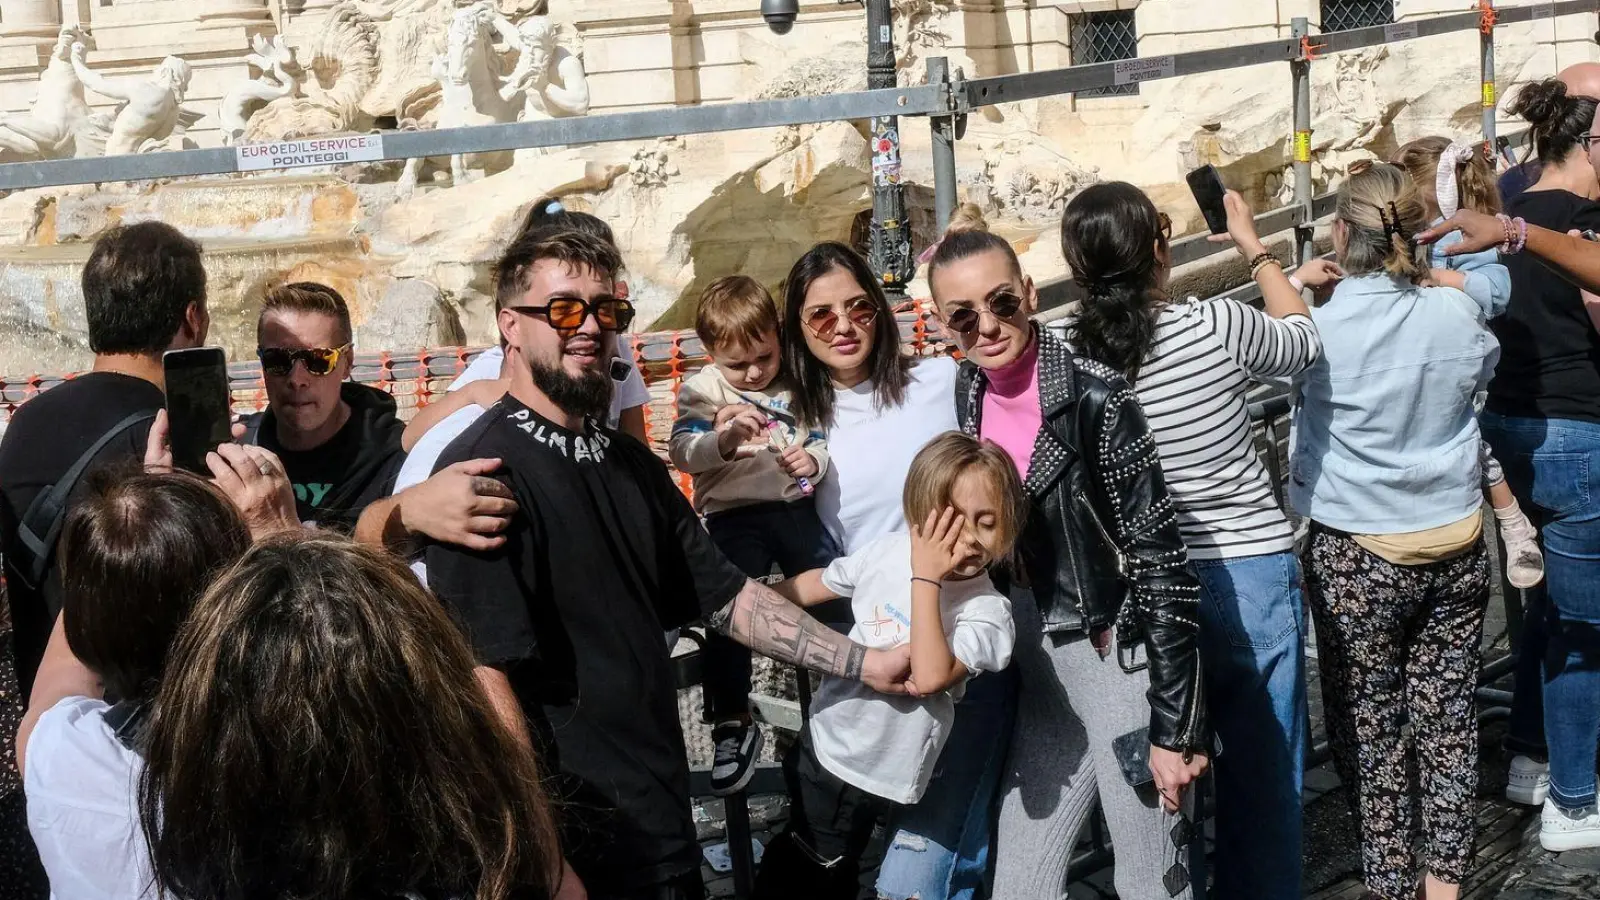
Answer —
551 213
137 551
1109 237
1559 120
325 738
889 370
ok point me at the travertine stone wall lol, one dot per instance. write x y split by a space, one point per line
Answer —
692 209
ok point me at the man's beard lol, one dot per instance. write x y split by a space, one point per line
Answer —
586 395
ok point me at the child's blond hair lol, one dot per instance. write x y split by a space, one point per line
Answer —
939 465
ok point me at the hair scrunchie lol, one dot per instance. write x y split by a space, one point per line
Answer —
1445 185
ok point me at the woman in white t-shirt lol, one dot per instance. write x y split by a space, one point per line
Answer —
879 407
136 553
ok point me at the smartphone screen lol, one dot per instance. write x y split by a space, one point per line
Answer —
1209 192
199 405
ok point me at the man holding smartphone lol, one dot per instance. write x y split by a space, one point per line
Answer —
339 440
144 292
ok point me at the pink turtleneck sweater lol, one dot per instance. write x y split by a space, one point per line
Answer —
1011 416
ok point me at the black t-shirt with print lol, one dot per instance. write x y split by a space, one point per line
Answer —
604 555
1549 364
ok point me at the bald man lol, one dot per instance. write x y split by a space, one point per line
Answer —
1582 80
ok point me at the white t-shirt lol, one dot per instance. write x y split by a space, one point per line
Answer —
870 451
884 744
81 786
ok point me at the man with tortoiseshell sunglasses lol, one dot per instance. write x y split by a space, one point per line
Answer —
339 440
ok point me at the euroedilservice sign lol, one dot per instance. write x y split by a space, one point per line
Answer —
331 151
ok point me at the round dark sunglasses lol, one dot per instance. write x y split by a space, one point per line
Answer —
568 314
965 320
318 360
823 321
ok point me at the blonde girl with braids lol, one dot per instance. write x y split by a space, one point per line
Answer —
1385 466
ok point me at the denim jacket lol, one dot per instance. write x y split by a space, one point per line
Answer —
1385 439
1488 280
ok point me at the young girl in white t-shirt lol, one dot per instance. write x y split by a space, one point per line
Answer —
863 752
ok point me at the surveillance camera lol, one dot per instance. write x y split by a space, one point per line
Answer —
780 14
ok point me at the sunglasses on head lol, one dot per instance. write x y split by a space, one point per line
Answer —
318 360
823 321
965 320
566 315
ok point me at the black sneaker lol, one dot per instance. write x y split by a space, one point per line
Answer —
737 745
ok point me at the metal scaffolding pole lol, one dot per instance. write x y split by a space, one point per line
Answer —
944 149
1490 96
1301 71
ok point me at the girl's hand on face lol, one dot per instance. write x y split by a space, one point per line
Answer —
934 544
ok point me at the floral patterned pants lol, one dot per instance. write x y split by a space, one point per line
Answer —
1398 646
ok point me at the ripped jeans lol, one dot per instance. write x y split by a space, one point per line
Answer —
940 847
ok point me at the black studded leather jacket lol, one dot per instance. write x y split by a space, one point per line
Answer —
1101 547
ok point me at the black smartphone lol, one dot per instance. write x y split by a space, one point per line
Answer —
199 405
1209 192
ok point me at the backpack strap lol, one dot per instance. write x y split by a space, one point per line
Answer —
41 524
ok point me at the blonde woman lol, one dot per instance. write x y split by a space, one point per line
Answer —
1386 467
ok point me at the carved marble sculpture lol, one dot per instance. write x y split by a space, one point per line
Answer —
151 110
343 68
280 78
472 89
48 130
549 77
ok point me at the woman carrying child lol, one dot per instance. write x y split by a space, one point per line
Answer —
879 407
1385 466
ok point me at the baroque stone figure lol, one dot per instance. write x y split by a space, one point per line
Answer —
549 77
343 68
280 77
49 129
151 110
468 73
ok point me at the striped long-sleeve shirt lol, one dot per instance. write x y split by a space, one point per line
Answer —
1192 386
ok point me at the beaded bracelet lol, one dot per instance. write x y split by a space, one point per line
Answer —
1516 234
1258 259
1259 264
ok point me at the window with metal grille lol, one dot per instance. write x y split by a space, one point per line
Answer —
1103 37
1343 15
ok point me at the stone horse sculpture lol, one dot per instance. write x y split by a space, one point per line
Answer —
49 129
470 82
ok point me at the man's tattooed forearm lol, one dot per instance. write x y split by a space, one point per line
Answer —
770 625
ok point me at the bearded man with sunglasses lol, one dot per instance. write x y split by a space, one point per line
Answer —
339 440
602 556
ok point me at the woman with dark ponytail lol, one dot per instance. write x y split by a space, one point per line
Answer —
1386 467
1191 365
1543 421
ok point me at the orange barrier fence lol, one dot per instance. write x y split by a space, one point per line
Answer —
415 379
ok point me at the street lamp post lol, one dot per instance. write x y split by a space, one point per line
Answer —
889 249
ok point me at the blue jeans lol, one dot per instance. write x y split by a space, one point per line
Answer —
940 846
1553 465
1252 642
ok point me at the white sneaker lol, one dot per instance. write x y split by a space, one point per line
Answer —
1562 831
1528 782
1524 559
